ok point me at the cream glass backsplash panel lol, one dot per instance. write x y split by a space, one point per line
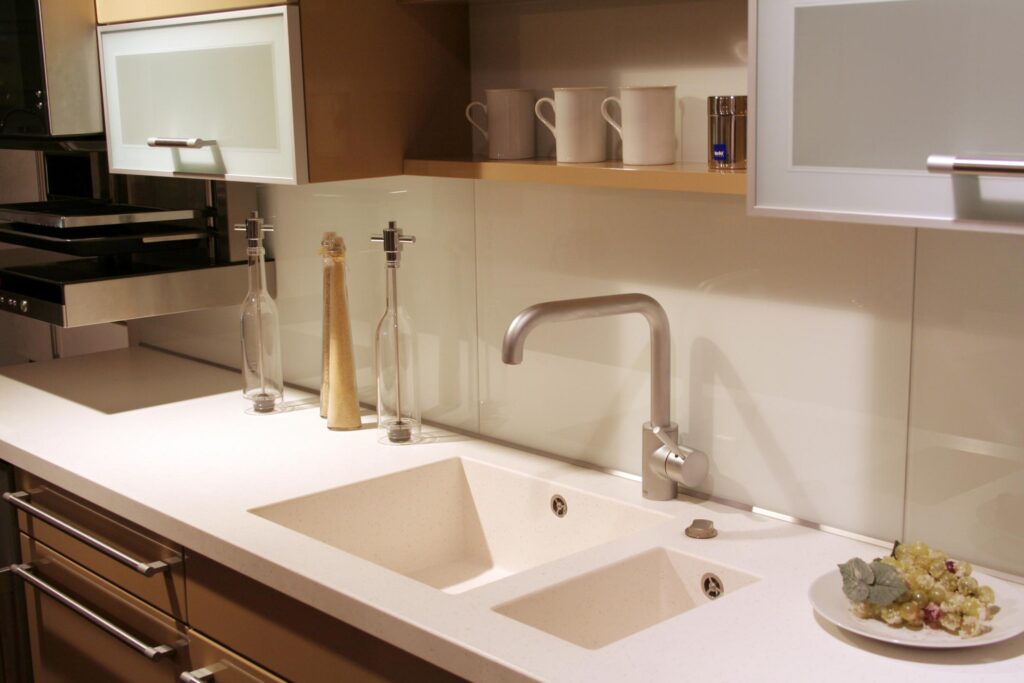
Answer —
791 343
965 487
436 283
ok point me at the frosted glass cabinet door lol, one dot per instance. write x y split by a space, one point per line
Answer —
212 95
852 97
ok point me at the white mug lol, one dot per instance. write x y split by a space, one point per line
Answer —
648 129
510 130
580 132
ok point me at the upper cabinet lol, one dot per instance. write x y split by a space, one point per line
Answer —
897 111
238 95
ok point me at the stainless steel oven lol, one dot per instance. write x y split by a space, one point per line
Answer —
49 73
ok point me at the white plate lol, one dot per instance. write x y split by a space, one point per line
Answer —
827 596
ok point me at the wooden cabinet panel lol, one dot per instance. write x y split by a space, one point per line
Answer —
290 638
67 648
383 81
165 591
113 11
224 665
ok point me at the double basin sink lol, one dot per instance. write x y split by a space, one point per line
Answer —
459 524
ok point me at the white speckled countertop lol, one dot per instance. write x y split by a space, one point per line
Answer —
164 441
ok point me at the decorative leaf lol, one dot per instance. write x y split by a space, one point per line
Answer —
887 586
857 579
877 583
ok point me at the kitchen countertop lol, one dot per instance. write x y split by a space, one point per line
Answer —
165 441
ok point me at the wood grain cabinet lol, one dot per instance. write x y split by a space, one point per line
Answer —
114 11
291 93
188 616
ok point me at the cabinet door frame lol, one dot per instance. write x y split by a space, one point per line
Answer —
296 135
890 184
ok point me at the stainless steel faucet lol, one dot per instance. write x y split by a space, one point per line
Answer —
665 461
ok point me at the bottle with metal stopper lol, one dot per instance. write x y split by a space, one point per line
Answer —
398 415
261 335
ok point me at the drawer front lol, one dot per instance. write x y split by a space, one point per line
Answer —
206 96
211 659
289 637
164 590
69 648
111 11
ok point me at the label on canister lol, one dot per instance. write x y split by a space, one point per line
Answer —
720 152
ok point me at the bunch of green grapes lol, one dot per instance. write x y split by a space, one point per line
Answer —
941 593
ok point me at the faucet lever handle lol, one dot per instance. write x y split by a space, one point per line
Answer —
683 464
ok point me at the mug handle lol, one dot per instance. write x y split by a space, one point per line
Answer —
469 117
608 117
536 110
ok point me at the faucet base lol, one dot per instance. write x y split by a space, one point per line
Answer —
656 486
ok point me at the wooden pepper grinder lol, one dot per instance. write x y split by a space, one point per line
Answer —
339 402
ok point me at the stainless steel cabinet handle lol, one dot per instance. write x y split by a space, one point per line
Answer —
191 143
19 500
152 652
203 675
969 165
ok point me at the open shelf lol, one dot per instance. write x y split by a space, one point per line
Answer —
673 178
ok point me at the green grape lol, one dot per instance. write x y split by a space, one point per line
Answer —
972 607
967 585
924 582
920 597
949 583
986 595
937 569
910 612
950 621
919 548
901 552
937 595
963 568
891 615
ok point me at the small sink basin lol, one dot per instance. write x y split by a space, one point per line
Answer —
608 604
458 524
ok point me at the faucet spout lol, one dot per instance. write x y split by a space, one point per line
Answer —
664 461
596 307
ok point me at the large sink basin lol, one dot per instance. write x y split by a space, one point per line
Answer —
608 604
458 524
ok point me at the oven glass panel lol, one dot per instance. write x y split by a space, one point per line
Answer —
22 90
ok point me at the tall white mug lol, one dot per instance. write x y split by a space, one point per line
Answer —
510 129
648 129
578 129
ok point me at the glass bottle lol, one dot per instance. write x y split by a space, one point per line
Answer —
261 335
398 414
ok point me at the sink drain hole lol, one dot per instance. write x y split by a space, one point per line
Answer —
559 506
712 586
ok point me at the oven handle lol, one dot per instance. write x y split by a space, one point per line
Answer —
18 500
151 652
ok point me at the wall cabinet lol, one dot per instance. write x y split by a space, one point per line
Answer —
852 97
226 624
240 96
112 11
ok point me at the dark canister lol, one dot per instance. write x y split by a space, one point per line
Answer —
727 131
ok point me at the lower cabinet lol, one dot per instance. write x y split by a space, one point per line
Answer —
291 638
68 641
90 618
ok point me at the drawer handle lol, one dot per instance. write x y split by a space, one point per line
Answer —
947 163
19 500
152 652
203 675
191 143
